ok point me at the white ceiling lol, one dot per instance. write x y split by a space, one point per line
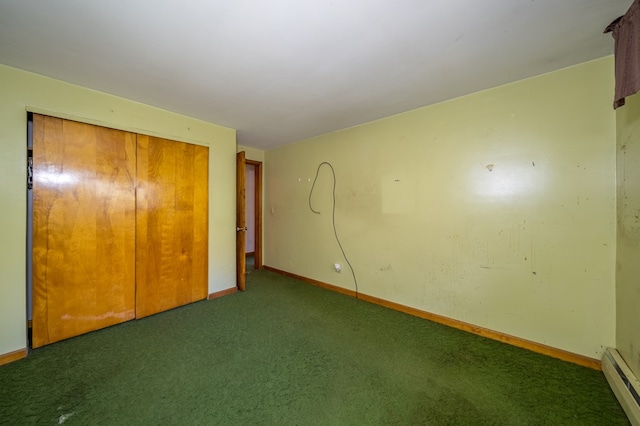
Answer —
283 70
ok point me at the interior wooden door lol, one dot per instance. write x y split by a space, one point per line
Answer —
83 228
241 225
172 224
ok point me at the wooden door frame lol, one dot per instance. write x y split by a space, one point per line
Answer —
258 212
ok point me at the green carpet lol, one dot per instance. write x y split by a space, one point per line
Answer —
288 353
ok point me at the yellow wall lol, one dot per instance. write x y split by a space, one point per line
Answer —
497 209
21 91
628 258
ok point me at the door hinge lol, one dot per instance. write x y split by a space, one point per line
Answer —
29 169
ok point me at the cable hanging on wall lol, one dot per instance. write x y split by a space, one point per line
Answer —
333 216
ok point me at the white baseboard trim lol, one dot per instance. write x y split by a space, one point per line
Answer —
624 383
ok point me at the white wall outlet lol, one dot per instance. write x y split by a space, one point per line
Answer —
337 267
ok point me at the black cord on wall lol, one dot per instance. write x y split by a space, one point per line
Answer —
333 216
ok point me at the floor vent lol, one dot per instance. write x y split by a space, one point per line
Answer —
624 384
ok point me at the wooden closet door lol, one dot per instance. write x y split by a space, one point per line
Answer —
83 228
172 224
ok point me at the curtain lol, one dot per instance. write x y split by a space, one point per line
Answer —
626 32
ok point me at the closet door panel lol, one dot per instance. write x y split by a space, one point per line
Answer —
172 224
84 228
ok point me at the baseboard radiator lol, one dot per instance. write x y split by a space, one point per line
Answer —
624 384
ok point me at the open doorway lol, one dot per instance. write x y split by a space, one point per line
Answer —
254 195
253 211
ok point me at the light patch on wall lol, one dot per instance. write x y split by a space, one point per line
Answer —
505 180
398 194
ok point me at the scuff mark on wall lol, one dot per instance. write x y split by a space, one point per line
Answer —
386 268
